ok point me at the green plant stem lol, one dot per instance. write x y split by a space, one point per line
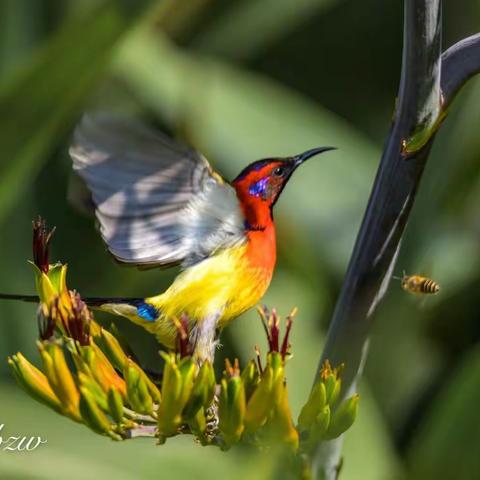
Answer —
138 417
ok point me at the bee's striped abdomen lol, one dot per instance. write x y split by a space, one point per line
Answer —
419 285
429 286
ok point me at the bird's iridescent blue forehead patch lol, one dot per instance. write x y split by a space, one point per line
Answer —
147 311
258 188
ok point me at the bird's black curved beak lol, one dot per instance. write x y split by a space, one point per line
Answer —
299 159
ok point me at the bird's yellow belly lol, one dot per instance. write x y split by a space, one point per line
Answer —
224 285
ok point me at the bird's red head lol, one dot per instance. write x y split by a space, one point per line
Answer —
260 184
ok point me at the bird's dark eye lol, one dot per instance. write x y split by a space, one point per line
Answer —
278 171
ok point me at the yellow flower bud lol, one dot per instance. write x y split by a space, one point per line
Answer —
60 378
111 347
43 286
282 424
33 381
101 369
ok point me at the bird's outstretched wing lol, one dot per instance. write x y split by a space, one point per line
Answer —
158 203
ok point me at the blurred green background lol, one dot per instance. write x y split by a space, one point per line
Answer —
242 80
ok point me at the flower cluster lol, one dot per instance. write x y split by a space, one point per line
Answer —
323 417
88 376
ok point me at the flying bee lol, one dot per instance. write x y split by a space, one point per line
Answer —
419 285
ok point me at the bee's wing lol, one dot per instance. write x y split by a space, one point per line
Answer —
158 203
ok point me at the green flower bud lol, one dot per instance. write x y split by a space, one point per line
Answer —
115 405
320 426
203 390
137 390
93 416
198 426
188 370
250 378
57 275
231 409
332 386
260 404
316 402
89 383
343 417
177 385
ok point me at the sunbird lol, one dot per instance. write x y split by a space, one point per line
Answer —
159 203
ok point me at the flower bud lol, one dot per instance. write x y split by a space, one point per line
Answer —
43 286
198 426
332 387
41 244
112 349
261 402
231 409
319 427
60 378
343 417
151 387
93 416
88 382
115 405
57 274
281 422
33 381
137 391
203 390
99 366
250 378
316 402
177 385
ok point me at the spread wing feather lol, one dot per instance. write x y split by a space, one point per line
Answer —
157 202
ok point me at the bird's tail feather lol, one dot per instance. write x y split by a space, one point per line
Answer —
23 298
90 301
